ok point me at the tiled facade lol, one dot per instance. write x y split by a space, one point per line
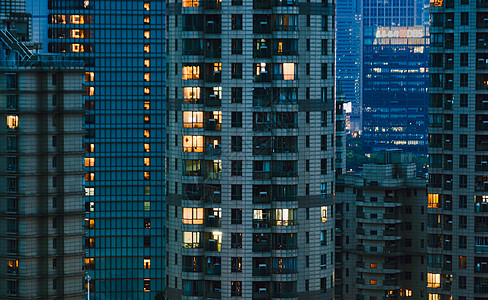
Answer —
458 188
122 44
381 232
251 108
41 183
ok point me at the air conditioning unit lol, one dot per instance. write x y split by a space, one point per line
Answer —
447 241
216 192
449 222
448 141
263 266
264 72
484 263
212 97
484 162
448 181
484 101
263 290
448 201
449 161
210 23
324 266
211 217
264 23
448 262
263 194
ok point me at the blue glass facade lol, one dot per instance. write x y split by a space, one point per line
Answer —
395 76
123 46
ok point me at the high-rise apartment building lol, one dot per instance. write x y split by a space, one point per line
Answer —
250 149
349 39
122 44
458 148
381 231
395 76
41 182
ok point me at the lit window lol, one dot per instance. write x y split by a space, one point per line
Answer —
147 285
192 215
147 6
147 76
147 161
193 143
147 63
193 119
89 76
191 93
190 3
12 266
147 223
86 3
323 213
373 266
288 71
433 201
147 175
280 47
285 217
147 263
76 48
147 48
408 293
89 161
77 34
89 191
147 147
434 297
147 118
146 133
90 90
147 205
191 72
147 34
89 223
147 105
191 239
373 282
90 176
147 91
12 122
147 191
89 263
433 280
77 19
147 20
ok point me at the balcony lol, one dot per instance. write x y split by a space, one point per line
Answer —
285 294
263 52
212 125
262 77
213 26
212 4
212 245
390 282
215 294
284 271
261 247
213 150
262 4
261 295
192 293
261 175
283 246
212 100
193 269
261 223
263 197
213 269
212 221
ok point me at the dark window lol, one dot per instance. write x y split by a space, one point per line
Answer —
463 61
324 47
236 95
464 18
463 100
236 216
463 120
236 2
236 70
463 82
463 161
324 71
236 46
236 264
323 142
236 168
236 119
236 22
464 38
236 240
463 201
463 181
463 241
236 143
236 192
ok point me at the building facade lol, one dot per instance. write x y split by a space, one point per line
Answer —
122 44
381 231
41 183
395 76
250 179
458 152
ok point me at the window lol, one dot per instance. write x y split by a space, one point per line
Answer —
236 216
462 241
464 38
191 239
463 141
324 47
236 240
463 161
463 82
236 71
236 168
324 69
463 100
12 121
237 45
462 282
236 22
236 119
12 287
11 81
433 201
147 223
433 280
236 264
147 285
463 60
323 238
463 181
323 213
463 201
236 288
323 142
236 95
192 215
236 143
236 192
462 262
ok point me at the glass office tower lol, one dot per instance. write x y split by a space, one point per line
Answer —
457 265
395 76
122 44
251 149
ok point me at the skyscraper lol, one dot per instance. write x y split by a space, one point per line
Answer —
41 179
395 76
458 151
122 44
250 179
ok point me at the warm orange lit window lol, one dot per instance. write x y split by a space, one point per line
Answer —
147 105
12 266
77 19
193 119
323 213
147 175
147 20
193 143
89 161
147 63
190 3
436 3
92 147
147 91
191 93
373 266
147 161
433 280
147 285
147 263
147 147
147 133
192 215
147 6
288 71
280 47
77 33
190 72
147 48
147 34
147 76
90 90
89 223
373 282
12 122
76 48
433 201
89 76
217 67
147 119
90 176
